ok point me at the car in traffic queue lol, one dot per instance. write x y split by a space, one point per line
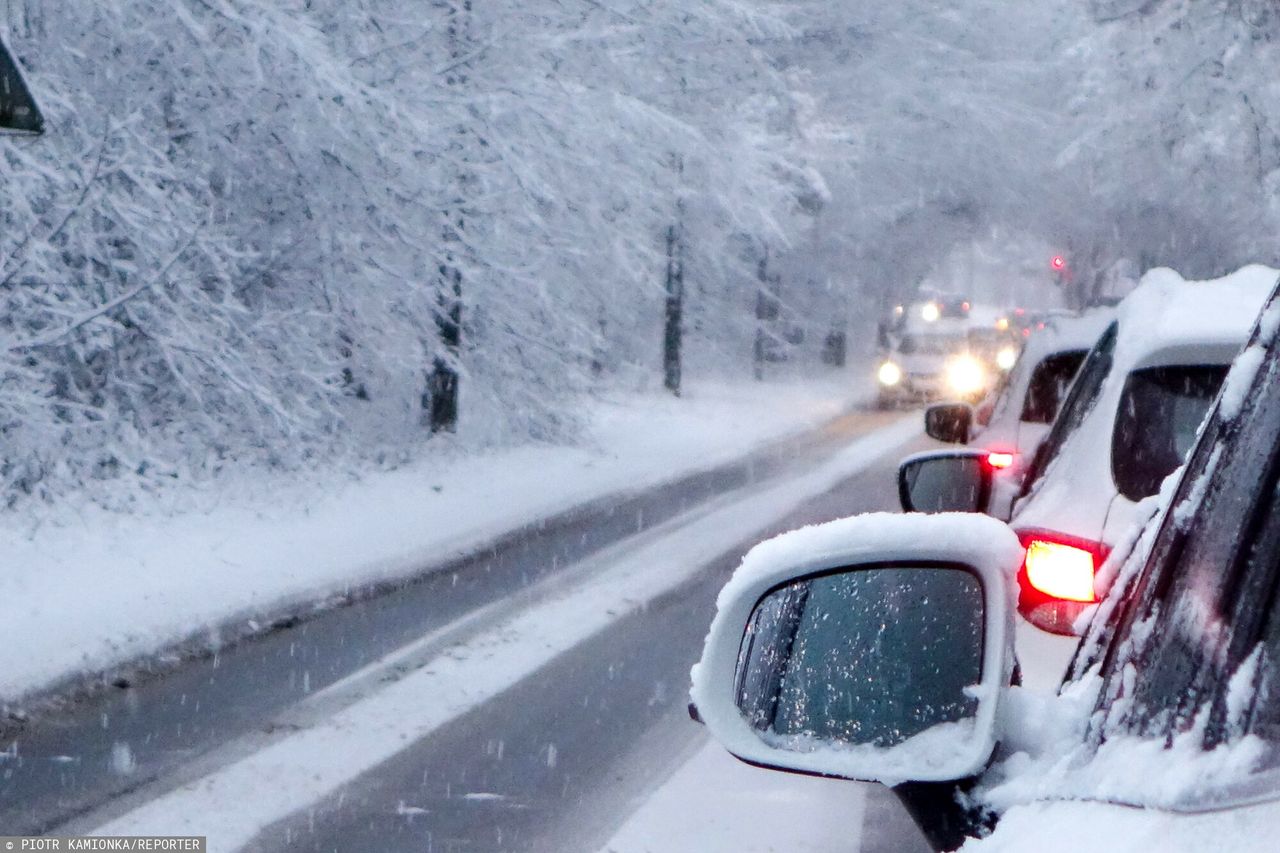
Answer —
1010 424
1131 415
880 648
926 356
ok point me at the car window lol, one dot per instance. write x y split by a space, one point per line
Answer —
1048 385
929 344
1079 401
1160 412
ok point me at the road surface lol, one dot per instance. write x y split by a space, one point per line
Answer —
558 756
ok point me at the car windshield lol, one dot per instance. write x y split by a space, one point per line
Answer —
931 344
1160 411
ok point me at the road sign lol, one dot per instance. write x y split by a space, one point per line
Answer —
18 110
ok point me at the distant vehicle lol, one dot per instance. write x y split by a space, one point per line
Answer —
1011 423
880 648
1128 421
998 351
925 355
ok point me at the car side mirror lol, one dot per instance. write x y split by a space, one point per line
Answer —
949 422
945 481
874 648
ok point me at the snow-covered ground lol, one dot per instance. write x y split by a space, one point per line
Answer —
731 807
95 588
350 727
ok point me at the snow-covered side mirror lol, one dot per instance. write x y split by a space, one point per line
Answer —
945 481
873 648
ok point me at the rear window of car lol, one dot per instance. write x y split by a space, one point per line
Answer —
1048 386
1160 412
1080 399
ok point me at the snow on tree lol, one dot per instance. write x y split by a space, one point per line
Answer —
245 234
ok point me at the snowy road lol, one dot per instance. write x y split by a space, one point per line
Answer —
538 719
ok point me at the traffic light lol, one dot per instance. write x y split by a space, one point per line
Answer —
1058 263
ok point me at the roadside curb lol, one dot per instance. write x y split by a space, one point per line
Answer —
244 626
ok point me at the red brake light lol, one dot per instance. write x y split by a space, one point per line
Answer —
1059 570
999 460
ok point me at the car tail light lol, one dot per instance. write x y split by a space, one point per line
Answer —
999 459
1059 567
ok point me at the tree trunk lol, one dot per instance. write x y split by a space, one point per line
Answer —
673 331
441 396
767 311
442 386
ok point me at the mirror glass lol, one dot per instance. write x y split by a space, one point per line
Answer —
949 422
872 656
944 484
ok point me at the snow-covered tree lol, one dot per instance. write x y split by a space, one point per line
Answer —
261 232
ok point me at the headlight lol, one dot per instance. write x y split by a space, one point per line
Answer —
1006 358
965 375
889 373
930 312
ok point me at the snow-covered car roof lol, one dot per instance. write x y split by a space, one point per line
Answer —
1167 311
1167 320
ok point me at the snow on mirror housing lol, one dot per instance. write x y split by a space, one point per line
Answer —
872 648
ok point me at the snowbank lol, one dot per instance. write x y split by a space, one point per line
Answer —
96 588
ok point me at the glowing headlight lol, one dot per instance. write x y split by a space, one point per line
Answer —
965 375
889 373
1006 358
930 312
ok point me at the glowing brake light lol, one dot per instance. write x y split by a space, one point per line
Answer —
1059 570
999 460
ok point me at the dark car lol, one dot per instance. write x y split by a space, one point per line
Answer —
18 110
